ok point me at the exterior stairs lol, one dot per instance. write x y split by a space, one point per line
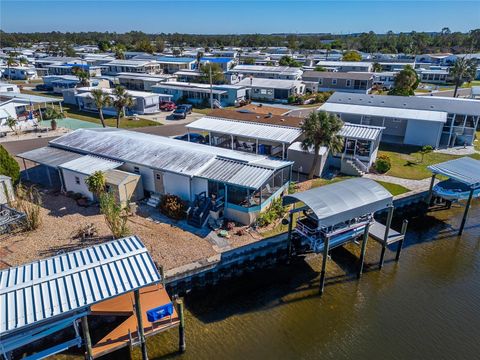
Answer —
353 167
154 200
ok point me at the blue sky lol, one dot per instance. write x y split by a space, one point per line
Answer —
236 16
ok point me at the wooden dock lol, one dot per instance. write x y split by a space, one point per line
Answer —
377 233
126 333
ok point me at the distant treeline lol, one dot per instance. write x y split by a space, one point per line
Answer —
410 43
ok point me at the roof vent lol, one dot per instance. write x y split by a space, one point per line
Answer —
258 116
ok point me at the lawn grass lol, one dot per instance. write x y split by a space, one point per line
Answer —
407 161
394 189
72 112
477 141
470 84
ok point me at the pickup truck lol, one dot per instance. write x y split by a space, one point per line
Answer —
167 106
182 111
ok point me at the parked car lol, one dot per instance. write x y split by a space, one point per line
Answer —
194 137
182 111
167 106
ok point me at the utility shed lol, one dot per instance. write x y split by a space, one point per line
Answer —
75 172
335 214
463 182
125 186
6 190
44 297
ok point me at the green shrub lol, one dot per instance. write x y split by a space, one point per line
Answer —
8 165
29 201
383 164
173 206
274 212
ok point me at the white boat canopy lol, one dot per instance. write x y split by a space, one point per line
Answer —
342 201
465 170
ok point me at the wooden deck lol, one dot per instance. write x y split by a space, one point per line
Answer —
377 232
150 297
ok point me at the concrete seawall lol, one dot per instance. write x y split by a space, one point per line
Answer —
260 254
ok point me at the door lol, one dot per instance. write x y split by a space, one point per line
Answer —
159 188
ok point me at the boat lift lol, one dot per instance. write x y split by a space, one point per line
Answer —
463 183
338 213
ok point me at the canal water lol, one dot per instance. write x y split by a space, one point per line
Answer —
427 306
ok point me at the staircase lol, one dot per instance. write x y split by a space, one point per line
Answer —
154 200
217 104
353 167
199 211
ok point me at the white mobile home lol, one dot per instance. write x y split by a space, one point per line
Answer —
273 89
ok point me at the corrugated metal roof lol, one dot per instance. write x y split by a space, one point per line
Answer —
154 151
49 156
28 98
253 130
73 281
361 132
382 111
431 103
88 164
464 169
344 200
236 173
270 83
280 70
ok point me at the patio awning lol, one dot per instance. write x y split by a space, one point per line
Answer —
49 156
465 170
338 202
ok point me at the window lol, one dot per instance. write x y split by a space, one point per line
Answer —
77 180
158 176
334 81
136 170
320 81
349 83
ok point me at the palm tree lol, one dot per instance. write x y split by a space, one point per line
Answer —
122 100
23 61
463 70
377 67
321 129
11 123
101 99
199 58
83 75
10 62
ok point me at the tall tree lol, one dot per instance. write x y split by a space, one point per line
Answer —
217 73
199 59
101 99
405 83
462 70
8 165
122 100
82 74
351 56
321 129
10 62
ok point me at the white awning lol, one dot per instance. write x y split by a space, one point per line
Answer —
465 170
338 202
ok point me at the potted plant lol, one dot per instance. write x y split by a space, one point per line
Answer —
53 114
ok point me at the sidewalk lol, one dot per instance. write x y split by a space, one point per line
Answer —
423 184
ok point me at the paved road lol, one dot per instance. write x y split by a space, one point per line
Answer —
462 92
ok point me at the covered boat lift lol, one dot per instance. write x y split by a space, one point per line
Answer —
48 296
338 213
463 182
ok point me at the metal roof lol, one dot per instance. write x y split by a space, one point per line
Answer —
154 151
88 164
361 132
118 177
280 70
431 103
27 98
371 110
270 83
236 173
464 169
316 75
49 288
344 200
248 129
49 156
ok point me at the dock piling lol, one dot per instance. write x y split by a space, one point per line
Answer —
324 265
465 214
141 330
364 247
430 190
182 346
385 238
400 243
87 339
289 240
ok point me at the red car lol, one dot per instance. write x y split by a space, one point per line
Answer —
167 106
